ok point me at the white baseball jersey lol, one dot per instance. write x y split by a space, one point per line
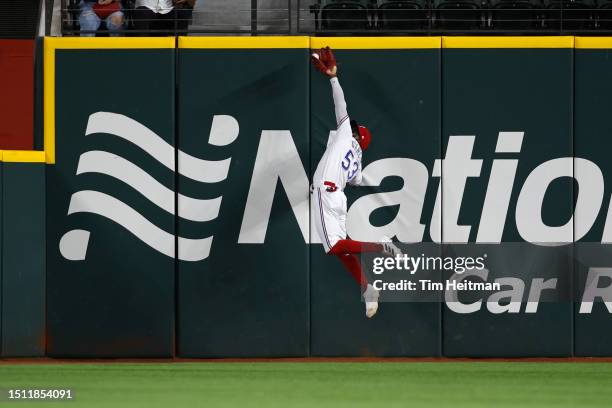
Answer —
340 164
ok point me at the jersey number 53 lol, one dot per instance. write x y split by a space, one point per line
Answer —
349 165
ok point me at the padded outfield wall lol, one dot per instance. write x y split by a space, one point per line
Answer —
177 196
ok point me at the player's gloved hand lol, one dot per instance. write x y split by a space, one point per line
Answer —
327 56
325 61
315 58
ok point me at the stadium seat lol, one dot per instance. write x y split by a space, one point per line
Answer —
603 14
344 15
515 14
19 18
569 14
402 15
458 14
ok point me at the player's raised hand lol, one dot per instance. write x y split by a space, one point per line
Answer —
317 61
327 56
325 61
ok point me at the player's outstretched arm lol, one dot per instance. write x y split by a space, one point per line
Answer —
325 62
339 101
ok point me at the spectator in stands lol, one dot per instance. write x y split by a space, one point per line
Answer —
93 12
167 16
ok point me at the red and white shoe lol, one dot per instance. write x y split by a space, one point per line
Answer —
390 248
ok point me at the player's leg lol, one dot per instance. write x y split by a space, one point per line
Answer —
333 216
348 246
330 230
370 295
353 266
339 242
329 211
321 219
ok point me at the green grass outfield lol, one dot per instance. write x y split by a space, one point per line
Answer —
318 384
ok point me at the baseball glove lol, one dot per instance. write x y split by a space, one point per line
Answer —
325 61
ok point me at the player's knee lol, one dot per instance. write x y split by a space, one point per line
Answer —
334 250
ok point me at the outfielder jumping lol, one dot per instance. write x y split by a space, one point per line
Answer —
341 164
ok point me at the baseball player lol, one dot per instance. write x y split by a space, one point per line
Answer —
341 164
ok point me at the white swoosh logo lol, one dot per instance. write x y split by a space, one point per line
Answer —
205 171
224 130
116 166
95 202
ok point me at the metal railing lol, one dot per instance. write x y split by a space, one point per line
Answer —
413 17
253 20
423 17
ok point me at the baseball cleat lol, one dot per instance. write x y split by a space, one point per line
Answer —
371 300
390 248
